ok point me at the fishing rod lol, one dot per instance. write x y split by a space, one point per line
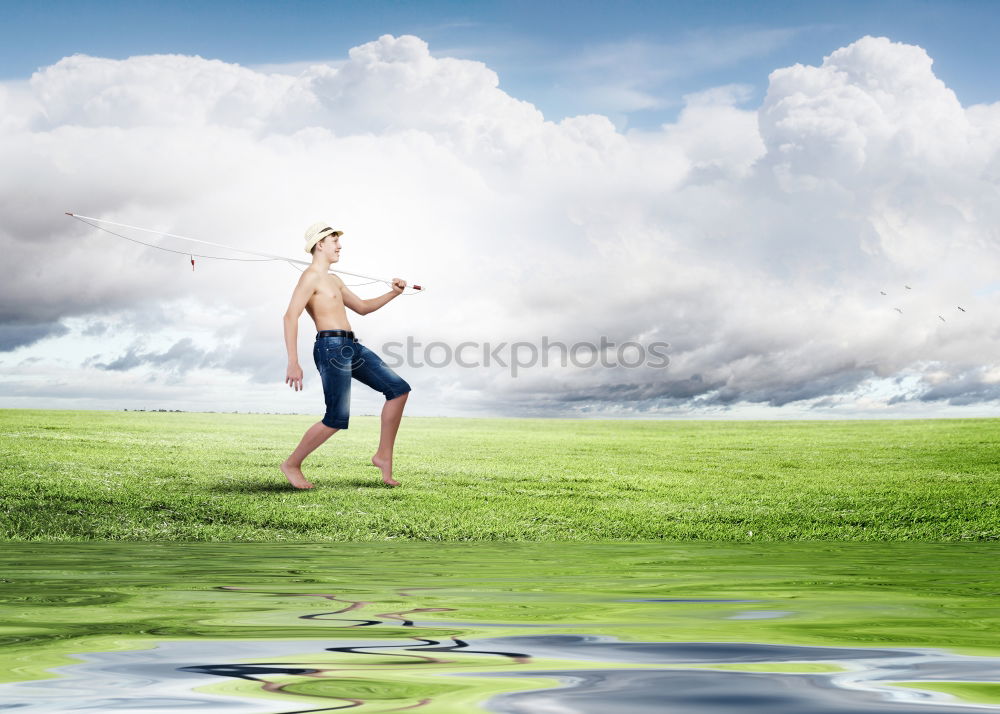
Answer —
264 256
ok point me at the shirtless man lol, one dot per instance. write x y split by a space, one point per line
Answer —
339 357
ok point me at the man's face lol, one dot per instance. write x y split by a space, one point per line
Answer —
331 248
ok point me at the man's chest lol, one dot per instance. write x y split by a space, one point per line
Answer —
328 292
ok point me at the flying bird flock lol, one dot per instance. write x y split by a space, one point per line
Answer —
900 310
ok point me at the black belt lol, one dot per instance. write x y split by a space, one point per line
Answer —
336 333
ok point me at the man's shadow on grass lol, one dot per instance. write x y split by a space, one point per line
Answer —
276 486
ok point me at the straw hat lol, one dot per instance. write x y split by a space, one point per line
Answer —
317 232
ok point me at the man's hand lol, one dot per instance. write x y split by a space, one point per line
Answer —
293 378
398 284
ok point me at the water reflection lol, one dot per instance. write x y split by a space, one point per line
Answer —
606 677
513 628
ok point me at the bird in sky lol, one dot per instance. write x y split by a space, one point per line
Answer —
900 310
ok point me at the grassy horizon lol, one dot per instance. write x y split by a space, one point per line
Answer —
200 476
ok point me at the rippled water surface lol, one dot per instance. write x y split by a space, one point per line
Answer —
543 628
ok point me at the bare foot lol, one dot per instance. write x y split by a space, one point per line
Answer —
386 466
294 475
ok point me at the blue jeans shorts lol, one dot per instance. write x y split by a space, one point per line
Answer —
339 359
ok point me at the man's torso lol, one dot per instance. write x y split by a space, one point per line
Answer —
326 306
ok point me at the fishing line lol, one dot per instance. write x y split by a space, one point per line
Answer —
265 257
170 250
350 285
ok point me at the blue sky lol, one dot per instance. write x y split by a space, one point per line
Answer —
632 61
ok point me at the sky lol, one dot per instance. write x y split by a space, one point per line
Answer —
793 200
632 61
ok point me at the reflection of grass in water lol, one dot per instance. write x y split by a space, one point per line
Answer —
980 692
30 659
129 595
170 476
450 695
777 667
407 686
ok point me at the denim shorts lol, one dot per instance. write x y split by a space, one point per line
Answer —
338 359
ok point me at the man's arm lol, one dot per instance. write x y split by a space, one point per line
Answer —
363 307
304 290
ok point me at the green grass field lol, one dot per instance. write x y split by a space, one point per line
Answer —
156 476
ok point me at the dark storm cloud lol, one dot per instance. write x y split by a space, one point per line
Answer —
780 394
14 335
639 392
181 357
95 329
695 391
966 388
666 391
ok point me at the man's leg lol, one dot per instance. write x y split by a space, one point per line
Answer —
292 466
392 413
369 369
335 374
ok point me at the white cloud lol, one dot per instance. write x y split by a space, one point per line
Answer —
755 242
